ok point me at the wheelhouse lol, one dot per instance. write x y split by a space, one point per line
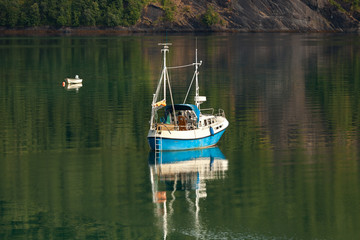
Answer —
180 117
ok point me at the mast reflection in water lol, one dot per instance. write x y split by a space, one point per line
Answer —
183 175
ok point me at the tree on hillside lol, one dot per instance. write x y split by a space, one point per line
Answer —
132 11
60 13
85 13
34 15
10 11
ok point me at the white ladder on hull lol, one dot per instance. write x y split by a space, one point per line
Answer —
158 149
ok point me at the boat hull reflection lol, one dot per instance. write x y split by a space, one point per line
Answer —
187 155
174 173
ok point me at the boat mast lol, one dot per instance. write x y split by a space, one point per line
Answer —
165 78
198 99
165 50
196 79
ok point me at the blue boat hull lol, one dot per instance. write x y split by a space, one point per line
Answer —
187 155
168 144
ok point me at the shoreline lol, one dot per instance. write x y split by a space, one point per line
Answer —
102 31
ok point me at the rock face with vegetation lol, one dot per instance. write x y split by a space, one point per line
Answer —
185 15
254 15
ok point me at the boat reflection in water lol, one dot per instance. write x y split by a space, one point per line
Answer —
75 86
177 174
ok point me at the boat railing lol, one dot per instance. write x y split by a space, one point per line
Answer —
172 127
208 110
168 127
221 113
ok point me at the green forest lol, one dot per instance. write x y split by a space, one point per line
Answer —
73 13
112 13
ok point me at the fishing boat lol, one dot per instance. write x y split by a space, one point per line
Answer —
182 126
75 80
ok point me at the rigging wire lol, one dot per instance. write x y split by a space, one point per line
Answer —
192 80
182 66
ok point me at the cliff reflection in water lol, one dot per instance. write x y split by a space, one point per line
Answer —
182 176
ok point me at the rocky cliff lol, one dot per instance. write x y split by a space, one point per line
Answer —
252 15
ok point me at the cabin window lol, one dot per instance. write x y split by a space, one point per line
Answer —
205 122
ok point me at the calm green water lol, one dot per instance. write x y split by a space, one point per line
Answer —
75 164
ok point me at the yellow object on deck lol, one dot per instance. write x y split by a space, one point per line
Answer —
160 103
